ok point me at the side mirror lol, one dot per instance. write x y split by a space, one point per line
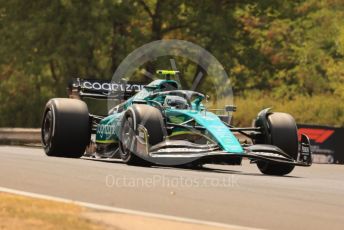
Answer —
230 108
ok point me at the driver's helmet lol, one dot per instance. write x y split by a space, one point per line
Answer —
176 102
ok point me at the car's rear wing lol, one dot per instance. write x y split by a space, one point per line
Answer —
103 89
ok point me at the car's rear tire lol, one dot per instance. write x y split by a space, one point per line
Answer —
148 116
65 128
281 131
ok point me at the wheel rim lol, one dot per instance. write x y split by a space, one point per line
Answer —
47 128
127 136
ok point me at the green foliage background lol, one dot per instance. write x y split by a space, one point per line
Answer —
284 54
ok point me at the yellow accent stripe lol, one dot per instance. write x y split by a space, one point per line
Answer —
177 133
106 141
164 72
181 133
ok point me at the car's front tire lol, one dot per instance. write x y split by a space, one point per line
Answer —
65 128
279 130
147 116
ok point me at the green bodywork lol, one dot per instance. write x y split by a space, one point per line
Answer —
109 128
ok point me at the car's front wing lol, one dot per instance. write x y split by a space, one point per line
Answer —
176 152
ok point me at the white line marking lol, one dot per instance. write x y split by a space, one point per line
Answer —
124 210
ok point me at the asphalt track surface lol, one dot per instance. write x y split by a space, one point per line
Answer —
310 198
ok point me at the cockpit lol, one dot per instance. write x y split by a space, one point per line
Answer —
176 102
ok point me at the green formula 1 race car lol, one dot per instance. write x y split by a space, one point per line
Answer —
160 124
